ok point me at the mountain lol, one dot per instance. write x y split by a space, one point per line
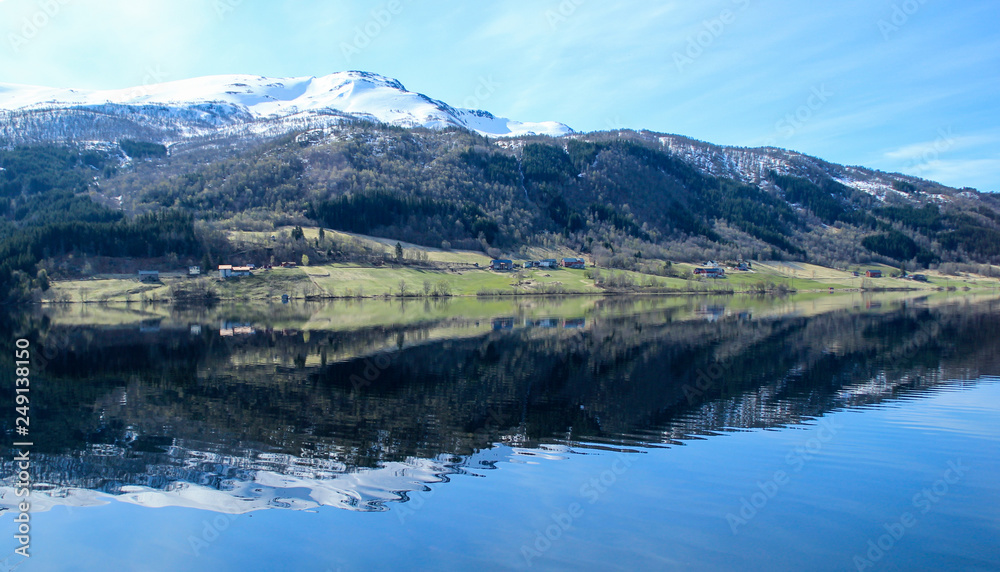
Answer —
245 107
249 107
167 170
234 104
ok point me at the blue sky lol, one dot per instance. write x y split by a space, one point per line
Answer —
899 85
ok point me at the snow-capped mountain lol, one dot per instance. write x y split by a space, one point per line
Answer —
238 107
235 105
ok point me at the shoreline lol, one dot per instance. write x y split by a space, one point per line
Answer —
508 295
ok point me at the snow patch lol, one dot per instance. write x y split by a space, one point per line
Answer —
197 105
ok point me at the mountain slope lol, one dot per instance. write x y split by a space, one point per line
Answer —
127 174
235 104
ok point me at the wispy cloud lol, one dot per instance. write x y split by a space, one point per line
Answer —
946 141
980 174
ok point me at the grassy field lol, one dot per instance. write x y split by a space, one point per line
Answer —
453 272
385 244
104 290
347 281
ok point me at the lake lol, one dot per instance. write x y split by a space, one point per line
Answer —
840 432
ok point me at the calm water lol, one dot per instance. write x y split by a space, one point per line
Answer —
829 433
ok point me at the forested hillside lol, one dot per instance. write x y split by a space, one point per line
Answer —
628 200
46 211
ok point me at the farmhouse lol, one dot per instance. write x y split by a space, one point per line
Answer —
501 265
573 263
149 276
873 274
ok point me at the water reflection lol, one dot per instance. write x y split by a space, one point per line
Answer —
359 406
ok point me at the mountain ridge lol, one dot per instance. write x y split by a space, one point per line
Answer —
196 107
243 106
133 176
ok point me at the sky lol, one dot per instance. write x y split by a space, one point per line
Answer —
909 86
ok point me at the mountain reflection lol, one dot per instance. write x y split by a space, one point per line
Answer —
245 412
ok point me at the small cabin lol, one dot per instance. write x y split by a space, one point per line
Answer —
548 263
577 263
501 265
149 276
873 274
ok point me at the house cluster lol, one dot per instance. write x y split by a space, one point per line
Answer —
504 265
710 272
509 323
230 271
